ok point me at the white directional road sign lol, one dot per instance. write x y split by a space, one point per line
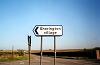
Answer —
48 30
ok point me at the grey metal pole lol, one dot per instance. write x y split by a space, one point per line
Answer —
41 52
55 50
29 55
29 47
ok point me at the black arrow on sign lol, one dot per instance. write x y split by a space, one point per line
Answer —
36 30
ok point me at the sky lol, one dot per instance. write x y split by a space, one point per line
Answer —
80 20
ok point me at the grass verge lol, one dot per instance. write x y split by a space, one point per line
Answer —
13 59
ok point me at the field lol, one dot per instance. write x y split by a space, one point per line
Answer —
9 55
69 53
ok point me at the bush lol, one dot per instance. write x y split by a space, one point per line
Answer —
20 52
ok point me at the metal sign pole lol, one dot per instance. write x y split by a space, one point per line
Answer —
29 55
41 52
55 50
29 47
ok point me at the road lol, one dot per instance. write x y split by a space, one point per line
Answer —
50 61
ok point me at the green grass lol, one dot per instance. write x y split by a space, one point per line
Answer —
13 59
22 58
3 59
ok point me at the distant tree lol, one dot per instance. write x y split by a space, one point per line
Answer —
97 48
50 49
1 50
20 52
85 49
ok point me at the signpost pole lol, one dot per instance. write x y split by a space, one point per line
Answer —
29 47
29 55
55 50
41 52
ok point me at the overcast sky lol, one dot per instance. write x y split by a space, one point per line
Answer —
79 18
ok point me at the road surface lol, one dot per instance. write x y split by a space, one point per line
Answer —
50 61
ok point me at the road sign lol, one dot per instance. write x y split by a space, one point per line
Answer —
29 40
48 30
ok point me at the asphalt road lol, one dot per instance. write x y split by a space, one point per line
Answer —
50 61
